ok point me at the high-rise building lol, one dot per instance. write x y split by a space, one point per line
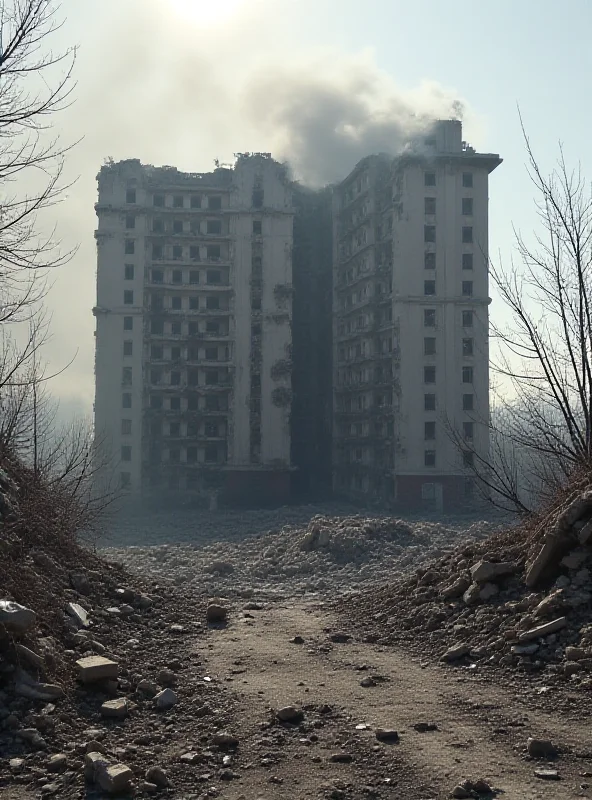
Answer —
410 323
193 327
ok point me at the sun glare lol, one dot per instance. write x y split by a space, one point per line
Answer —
206 12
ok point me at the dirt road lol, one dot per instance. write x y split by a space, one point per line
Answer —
481 729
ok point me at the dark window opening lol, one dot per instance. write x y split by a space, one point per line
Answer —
126 400
467 374
158 200
212 303
177 276
129 272
429 233
467 207
467 402
177 252
430 205
178 201
257 227
176 303
429 287
467 347
130 196
130 247
429 179
178 226
215 202
128 347
130 222
194 276
214 226
429 261
175 403
429 374
429 431
467 288
429 458
258 197
195 201
213 276
128 323
467 180
467 261
467 234
429 317
429 346
429 402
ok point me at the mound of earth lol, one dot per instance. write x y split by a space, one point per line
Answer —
522 598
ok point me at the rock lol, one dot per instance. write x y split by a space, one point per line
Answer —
96 668
33 737
191 758
117 709
29 656
425 727
572 667
367 682
145 602
16 765
15 617
216 614
49 789
297 640
290 714
543 630
575 653
158 777
540 748
551 604
125 610
148 788
456 652
387 735
92 761
95 747
25 686
57 762
482 787
585 534
166 677
524 649
488 591
341 758
223 739
166 699
488 571
574 560
80 583
125 595
472 594
461 791
340 638
456 589
547 558
78 614
547 774
147 687
114 778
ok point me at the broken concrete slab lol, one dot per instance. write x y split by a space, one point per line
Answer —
543 630
16 617
489 571
78 614
96 668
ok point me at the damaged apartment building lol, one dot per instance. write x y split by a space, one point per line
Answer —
264 341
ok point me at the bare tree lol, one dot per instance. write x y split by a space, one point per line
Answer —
544 359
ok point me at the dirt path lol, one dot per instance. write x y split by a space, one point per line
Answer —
481 729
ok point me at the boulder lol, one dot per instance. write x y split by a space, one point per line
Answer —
488 571
114 778
118 709
216 613
16 617
165 699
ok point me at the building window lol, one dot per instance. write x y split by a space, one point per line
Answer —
178 201
429 233
176 303
467 347
156 352
158 225
157 302
130 196
429 431
467 402
211 378
192 455
177 252
468 431
429 261
177 276
175 404
467 288
429 179
429 402
129 272
157 276
194 303
175 353
467 234
193 329
212 303
257 227
211 429
195 201
257 198
128 347
177 226
175 378
214 226
213 251
194 276
194 253
467 208
429 317
128 297
126 400
215 202
158 200
130 222
467 180
467 319
155 376
429 205
130 247
429 287
212 403
128 323
211 353
157 327
213 276
467 374
429 458
429 346
126 453
156 401
125 480
256 303
467 261
126 376
175 429
174 456
212 327
157 252
468 458
211 454
429 374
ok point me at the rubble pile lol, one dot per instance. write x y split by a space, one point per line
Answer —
99 682
521 598
330 552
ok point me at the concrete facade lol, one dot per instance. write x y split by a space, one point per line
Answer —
410 323
193 327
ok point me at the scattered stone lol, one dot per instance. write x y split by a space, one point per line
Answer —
166 677
488 571
166 699
456 652
16 765
540 748
80 583
290 714
57 762
367 682
472 594
15 617
216 614
425 727
297 640
543 630
114 778
524 649
488 591
158 777
547 774
96 668
78 614
341 758
147 687
456 589
387 735
224 739
340 638
92 761
32 658
117 709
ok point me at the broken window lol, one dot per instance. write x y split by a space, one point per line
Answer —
174 456
429 317
429 261
214 226
126 400
467 288
177 276
178 226
191 455
467 234
429 179
257 227
467 261
157 276
130 247
256 303
467 180
213 302
211 429
429 458
156 302
212 327
194 276
211 378
178 201
429 374
430 205
258 198
194 303
157 252
215 202
175 403
429 233
211 353
193 329
155 376
429 287
194 253
193 377
130 222
176 303
158 225
193 354
128 323
129 272
176 328
177 252
467 347
467 374
467 207
158 200
429 346
175 378
429 402
213 276
175 353
130 196
128 347
467 402
195 201
156 352
212 403
126 452
157 327
429 430
213 252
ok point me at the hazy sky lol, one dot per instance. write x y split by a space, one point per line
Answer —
182 82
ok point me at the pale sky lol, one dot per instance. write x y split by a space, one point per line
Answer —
182 82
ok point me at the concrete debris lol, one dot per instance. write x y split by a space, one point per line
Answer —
96 668
15 617
114 778
118 709
166 699
216 613
488 571
290 714
540 748
78 614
